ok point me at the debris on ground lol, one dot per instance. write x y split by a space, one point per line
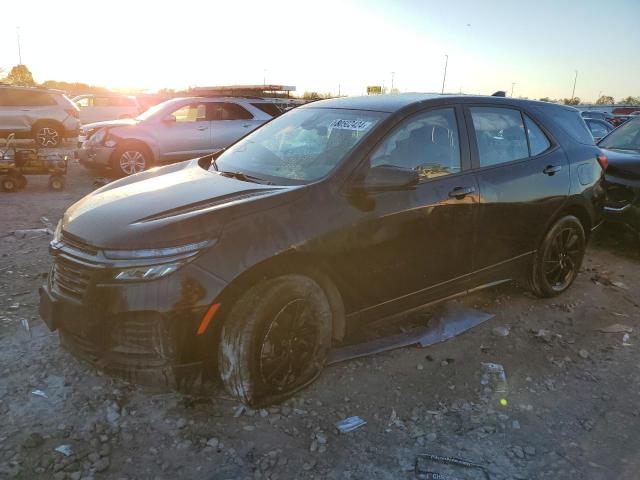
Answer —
501 331
496 376
617 328
64 450
424 464
40 393
349 424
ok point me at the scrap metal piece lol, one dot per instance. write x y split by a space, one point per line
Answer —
350 423
423 458
455 319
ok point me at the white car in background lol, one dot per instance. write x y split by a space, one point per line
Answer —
172 131
108 106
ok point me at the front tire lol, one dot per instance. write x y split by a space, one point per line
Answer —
130 159
275 340
558 259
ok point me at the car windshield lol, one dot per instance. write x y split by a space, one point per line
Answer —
625 137
156 108
299 147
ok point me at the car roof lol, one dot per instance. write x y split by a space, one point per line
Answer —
395 102
31 89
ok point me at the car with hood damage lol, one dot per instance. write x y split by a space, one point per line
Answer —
172 131
250 264
622 179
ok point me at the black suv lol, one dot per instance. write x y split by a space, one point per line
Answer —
335 214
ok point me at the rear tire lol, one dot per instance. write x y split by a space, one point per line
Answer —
56 183
9 183
47 134
275 340
558 259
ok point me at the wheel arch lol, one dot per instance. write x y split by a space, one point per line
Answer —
48 121
574 208
287 263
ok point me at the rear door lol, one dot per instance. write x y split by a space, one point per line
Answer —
189 136
523 176
230 121
19 109
10 111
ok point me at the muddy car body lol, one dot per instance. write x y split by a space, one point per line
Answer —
374 206
622 180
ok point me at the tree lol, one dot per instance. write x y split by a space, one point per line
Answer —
571 101
546 99
605 100
73 89
20 75
630 100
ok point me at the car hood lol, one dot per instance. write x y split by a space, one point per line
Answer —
167 206
123 122
623 165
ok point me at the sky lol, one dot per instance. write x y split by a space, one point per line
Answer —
335 46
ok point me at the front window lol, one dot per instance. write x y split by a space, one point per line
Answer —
196 112
302 146
625 137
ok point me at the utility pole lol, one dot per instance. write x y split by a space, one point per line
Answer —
444 78
392 75
338 89
264 78
512 85
573 93
19 52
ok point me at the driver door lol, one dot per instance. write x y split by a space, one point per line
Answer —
413 243
189 136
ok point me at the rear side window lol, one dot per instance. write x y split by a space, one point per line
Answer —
229 111
25 98
500 135
268 108
538 141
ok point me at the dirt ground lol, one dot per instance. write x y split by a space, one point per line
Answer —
570 409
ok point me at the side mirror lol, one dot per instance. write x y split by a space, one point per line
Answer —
385 178
169 119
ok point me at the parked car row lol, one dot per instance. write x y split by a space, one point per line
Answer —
43 115
250 262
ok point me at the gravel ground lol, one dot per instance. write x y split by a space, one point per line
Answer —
569 409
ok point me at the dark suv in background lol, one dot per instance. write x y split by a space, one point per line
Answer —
46 116
330 216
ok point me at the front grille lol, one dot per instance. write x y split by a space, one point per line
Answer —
71 278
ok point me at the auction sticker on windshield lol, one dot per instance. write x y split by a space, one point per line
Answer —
357 125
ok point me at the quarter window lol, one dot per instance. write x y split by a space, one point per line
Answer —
538 141
500 135
426 142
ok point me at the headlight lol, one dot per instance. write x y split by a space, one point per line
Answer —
157 253
99 136
146 273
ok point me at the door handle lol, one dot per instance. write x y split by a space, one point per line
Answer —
461 192
247 125
202 128
551 170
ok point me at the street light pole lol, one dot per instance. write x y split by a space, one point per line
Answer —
444 78
575 79
19 52
392 75
512 85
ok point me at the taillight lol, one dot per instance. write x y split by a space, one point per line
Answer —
603 161
73 112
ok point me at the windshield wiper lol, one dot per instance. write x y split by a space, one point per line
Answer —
244 177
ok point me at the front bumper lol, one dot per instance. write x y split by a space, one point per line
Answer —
144 332
95 156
